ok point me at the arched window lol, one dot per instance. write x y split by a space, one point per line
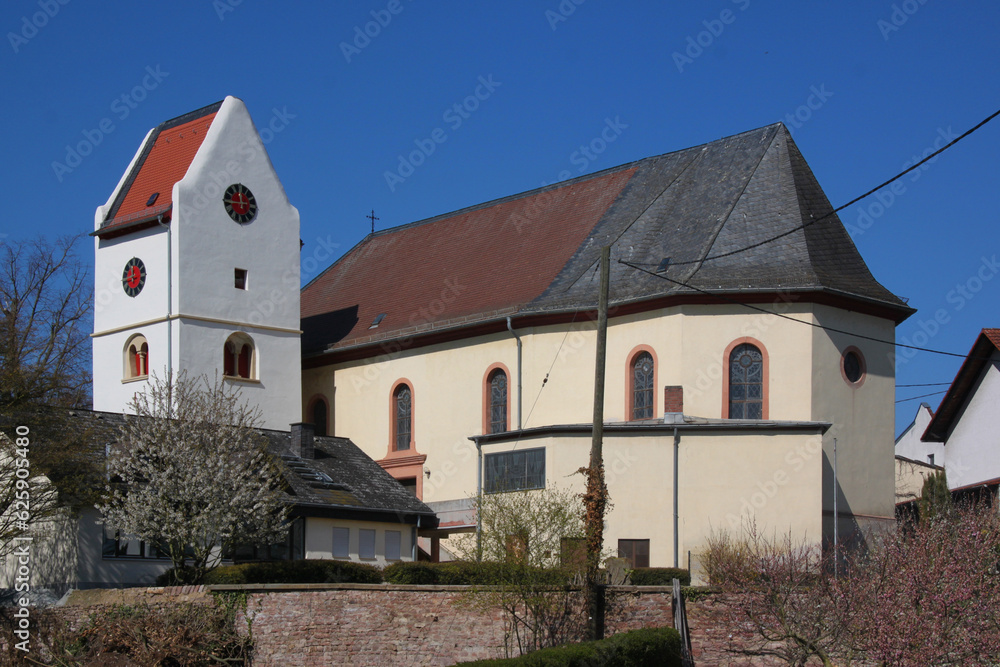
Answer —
238 357
641 380
746 382
497 393
136 357
319 416
402 422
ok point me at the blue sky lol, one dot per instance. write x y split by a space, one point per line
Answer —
863 86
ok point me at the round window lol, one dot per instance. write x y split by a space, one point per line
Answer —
852 365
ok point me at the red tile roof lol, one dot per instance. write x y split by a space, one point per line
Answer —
164 161
962 386
490 258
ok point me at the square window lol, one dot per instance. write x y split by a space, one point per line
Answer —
366 544
517 470
393 542
636 552
241 278
341 542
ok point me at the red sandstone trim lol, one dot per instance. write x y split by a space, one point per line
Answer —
766 384
629 394
487 397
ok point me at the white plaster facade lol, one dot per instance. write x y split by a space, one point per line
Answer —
972 447
189 304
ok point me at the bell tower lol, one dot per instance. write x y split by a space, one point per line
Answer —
197 267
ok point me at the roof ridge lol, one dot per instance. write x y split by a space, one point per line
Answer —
559 184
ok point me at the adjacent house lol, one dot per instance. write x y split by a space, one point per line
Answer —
964 425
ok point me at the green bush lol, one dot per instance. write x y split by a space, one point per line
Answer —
291 572
405 572
466 573
659 576
648 647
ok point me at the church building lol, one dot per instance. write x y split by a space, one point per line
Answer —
458 351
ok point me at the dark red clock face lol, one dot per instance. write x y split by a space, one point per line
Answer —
134 276
240 203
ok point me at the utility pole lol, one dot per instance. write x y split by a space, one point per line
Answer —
596 498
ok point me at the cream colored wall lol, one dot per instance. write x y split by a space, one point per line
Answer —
319 539
689 344
724 480
862 417
910 478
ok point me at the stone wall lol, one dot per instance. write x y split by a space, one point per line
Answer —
317 625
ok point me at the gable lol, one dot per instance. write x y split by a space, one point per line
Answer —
163 160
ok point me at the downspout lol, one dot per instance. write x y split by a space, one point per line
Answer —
170 300
518 339
677 447
413 542
479 499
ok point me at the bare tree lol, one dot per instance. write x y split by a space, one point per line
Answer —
192 476
44 325
525 537
44 361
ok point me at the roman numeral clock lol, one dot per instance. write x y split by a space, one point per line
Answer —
240 203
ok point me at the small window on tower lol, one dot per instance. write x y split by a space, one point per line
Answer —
241 278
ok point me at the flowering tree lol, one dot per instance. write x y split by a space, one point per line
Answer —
920 595
192 476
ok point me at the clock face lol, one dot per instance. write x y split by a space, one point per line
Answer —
240 203
134 276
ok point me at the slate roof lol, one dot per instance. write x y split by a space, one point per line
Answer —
164 159
341 481
537 253
344 481
987 343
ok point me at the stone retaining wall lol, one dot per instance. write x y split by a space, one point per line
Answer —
318 625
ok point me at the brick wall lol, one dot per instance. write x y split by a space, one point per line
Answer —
316 625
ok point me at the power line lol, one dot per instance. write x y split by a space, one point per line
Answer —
913 398
850 203
926 384
786 317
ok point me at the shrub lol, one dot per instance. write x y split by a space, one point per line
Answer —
659 576
468 573
188 634
648 647
406 572
290 572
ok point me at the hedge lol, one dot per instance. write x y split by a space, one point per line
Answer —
659 576
291 572
648 647
458 573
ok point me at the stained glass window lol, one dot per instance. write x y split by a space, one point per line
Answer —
746 383
403 417
642 386
498 401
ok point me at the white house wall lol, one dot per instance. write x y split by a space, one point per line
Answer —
319 539
909 444
972 450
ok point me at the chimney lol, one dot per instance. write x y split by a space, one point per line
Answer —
673 404
302 441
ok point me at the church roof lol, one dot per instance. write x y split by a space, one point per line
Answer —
163 160
535 255
965 383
